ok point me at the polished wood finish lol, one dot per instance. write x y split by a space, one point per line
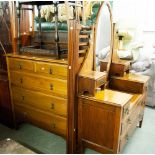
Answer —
117 68
39 92
90 81
131 83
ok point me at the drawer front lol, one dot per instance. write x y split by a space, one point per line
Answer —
126 110
135 113
40 101
21 65
46 85
51 69
100 81
53 123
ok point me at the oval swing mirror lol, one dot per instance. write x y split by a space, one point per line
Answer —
104 37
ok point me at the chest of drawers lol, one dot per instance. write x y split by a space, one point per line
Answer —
107 120
39 92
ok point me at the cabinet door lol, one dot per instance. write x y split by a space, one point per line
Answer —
99 123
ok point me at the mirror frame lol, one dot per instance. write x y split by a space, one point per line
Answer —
111 29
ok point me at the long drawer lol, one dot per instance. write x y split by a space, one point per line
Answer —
51 122
51 69
21 65
39 83
40 101
40 68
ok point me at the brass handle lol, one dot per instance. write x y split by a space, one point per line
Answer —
51 86
20 66
53 125
52 106
21 80
23 98
50 71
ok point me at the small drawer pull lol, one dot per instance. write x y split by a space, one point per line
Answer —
53 125
51 86
20 66
52 106
21 80
23 98
50 71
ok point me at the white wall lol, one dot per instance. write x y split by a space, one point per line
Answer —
140 12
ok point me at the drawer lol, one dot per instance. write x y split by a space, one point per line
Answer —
53 123
126 110
100 82
38 83
21 65
51 69
40 101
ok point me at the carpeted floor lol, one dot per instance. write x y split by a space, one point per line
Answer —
143 140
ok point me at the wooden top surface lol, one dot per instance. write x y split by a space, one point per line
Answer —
135 99
111 97
93 74
134 77
39 58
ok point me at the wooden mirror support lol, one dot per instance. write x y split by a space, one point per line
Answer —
90 79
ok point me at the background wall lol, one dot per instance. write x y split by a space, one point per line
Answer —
141 13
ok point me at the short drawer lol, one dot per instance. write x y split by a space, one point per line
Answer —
38 83
40 101
21 65
51 69
53 123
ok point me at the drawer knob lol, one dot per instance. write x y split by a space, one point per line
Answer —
20 66
53 125
50 71
52 106
51 87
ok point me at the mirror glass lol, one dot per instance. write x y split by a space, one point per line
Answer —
103 38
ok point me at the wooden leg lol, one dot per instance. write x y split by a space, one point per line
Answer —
140 123
80 148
